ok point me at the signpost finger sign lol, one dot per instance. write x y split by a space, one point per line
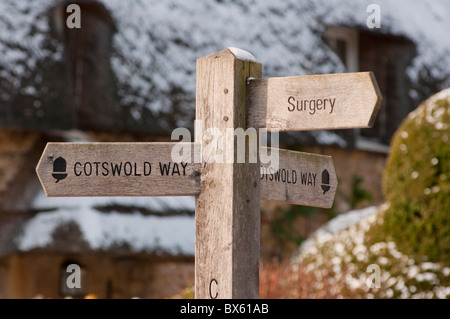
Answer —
148 169
313 102
301 178
116 169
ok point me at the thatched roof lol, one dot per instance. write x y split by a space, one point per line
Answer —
139 57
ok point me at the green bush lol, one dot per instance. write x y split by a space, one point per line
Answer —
416 182
408 237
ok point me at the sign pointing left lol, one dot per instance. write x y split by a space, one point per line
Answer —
116 169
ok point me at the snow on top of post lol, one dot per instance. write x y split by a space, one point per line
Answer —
242 54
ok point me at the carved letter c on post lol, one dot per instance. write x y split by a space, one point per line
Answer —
210 288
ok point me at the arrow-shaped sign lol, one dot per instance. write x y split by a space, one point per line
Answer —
313 102
147 169
116 169
301 178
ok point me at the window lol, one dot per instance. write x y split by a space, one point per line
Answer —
344 42
388 57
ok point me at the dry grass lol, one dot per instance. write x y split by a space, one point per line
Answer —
285 281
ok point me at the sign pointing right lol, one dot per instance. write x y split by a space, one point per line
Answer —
300 178
314 102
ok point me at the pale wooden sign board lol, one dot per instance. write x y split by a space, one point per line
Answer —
314 102
116 169
147 169
301 178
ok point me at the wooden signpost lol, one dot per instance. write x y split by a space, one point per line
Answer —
229 95
147 169
227 210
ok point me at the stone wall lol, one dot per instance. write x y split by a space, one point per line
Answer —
19 154
32 274
38 275
282 224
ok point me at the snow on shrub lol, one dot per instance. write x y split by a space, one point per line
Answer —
416 182
409 236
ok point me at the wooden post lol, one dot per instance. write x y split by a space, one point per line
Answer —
227 212
228 208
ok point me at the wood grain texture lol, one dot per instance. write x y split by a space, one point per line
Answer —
313 102
133 161
228 207
117 169
298 179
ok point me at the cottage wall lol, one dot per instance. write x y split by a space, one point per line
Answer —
281 225
38 275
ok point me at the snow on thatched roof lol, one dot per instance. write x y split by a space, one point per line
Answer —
158 42
155 225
